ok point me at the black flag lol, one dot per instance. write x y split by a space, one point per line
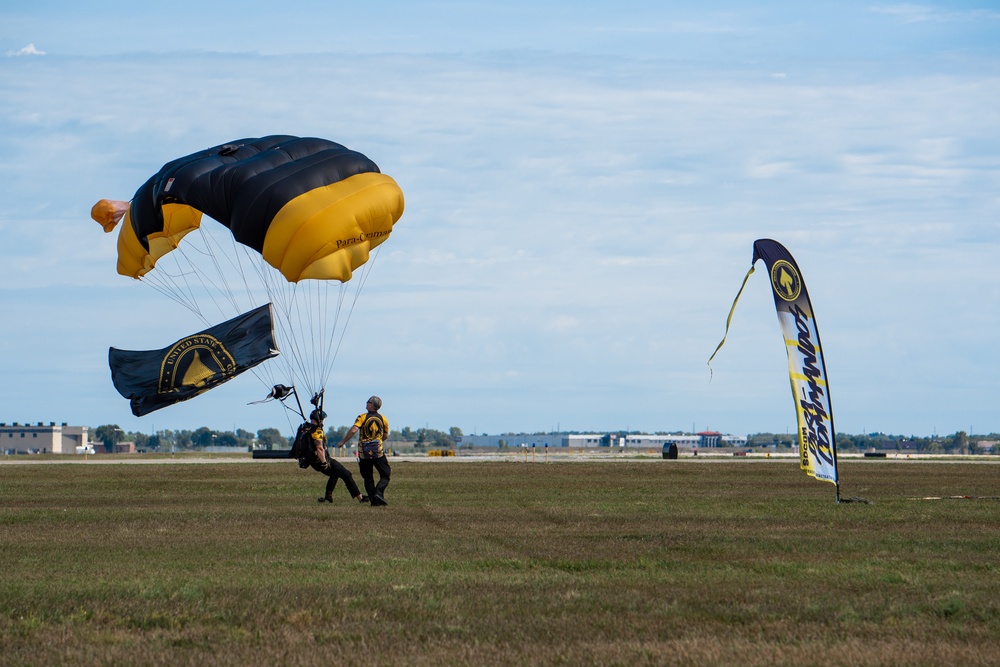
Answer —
154 379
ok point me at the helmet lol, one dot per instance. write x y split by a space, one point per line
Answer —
318 415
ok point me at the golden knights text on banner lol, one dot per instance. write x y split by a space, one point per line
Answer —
154 379
806 364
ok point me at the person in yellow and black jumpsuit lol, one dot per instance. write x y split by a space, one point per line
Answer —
315 439
373 429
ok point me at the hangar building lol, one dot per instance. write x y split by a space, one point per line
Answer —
42 438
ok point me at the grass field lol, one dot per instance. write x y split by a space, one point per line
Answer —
500 563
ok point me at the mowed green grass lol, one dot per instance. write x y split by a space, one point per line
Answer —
500 563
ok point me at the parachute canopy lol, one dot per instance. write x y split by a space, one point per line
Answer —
302 222
311 207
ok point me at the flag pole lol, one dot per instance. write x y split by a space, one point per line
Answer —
836 462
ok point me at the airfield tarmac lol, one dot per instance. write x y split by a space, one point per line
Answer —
517 456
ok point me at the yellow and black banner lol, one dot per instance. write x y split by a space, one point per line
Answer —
154 379
806 362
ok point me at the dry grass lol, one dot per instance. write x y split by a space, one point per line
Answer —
626 563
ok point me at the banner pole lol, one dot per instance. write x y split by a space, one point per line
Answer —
836 463
301 411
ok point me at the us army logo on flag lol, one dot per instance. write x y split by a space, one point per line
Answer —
154 379
193 362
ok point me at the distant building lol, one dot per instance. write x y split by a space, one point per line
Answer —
709 438
704 439
614 440
583 440
986 446
42 438
716 439
690 441
634 441
512 440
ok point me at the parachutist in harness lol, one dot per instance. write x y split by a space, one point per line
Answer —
310 450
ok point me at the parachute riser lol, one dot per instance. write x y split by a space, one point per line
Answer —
302 413
317 401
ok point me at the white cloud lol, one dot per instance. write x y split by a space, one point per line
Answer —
28 50
676 27
915 13
908 13
771 169
562 324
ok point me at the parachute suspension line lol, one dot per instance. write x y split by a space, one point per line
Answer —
329 331
209 287
263 372
281 298
220 280
176 271
311 320
157 282
230 257
334 340
184 268
319 330
311 316
171 278
365 271
297 328
302 313
204 269
176 284
729 320
282 295
306 315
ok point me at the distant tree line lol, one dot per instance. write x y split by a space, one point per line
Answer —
108 435
957 443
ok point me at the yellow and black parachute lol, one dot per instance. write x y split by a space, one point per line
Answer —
299 216
311 207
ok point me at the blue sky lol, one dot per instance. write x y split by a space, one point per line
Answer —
583 187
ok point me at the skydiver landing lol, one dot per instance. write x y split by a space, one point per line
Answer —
374 430
310 449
